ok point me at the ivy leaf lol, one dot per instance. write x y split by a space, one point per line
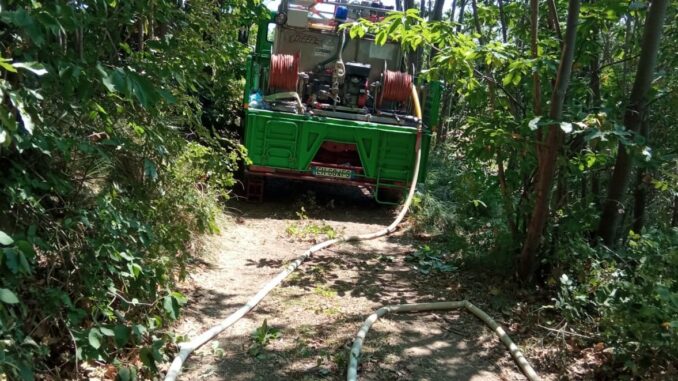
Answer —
5 239
34 67
8 297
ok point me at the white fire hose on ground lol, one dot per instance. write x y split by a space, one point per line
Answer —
185 349
352 373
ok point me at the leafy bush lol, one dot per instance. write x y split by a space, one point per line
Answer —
106 172
462 207
629 298
427 260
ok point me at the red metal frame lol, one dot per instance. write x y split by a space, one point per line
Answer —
295 175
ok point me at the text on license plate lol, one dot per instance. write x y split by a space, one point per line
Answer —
332 172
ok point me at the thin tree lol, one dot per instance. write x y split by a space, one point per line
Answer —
453 9
437 13
554 141
613 207
536 81
462 7
502 21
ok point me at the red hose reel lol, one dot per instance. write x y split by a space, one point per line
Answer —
397 87
284 72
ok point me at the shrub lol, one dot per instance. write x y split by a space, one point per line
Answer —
629 298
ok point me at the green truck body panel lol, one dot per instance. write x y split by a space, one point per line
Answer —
288 141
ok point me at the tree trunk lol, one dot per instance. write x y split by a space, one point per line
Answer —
502 21
641 187
476 21
553 14
453 9
547 165
399 5
462 7
411 56
437 14
633 117
408 4
536 81
595 106
419 54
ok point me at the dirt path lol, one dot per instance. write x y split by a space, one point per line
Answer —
319 309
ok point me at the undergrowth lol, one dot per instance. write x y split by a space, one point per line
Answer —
623 302
106 173
306 229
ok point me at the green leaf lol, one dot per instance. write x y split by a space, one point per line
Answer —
8 297
6 64
143 89
34 67
179 297
94 338
395 25
380 38
11 259
107 331
25 116
121 335
5 239
353 33
534 123
127 374
507 79
516 79
4 136
171 306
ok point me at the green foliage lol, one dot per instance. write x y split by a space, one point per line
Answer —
629 298
108 166
261 337
306 229
480 186
462 207
427 260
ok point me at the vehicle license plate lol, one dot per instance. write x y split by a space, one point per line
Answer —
332 172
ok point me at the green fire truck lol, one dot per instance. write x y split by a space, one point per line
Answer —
321 106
